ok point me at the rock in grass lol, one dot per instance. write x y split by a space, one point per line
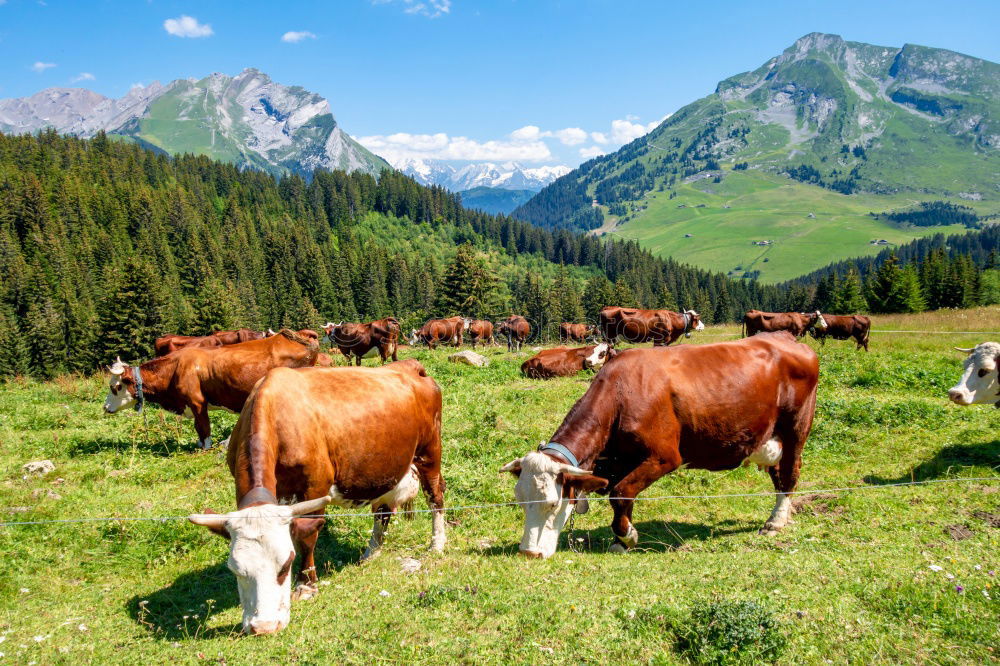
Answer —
38 467
470 358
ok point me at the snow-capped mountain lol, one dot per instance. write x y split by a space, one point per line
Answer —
507 176
247 119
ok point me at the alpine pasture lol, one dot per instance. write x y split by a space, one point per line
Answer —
902 574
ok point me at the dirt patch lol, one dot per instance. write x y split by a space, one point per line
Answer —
991 519
818 504
958 532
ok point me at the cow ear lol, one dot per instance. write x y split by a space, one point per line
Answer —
215 522
303 528
514 467
582 483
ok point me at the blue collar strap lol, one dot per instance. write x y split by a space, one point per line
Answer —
561 450
140 398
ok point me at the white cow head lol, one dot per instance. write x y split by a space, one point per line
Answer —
121 387
414 338
466 323
979 384
261 553
330 330
696 323
600 354
269 333
818 320
548 490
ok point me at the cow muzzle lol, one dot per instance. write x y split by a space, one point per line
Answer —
960 397
264 627
532 554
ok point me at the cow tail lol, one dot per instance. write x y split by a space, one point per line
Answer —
407 509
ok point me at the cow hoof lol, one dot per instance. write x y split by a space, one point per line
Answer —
437 547
631 538
617 548
370 555
303 592
769 530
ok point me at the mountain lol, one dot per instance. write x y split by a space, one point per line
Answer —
797 152
495 200
248 120
508 175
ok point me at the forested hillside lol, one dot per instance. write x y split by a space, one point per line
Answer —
105 245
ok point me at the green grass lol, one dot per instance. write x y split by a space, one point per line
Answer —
848 581
767 207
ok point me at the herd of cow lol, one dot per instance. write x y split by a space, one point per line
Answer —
308 436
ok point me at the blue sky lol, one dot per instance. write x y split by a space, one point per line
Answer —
541 81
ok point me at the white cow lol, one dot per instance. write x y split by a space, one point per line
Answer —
980 384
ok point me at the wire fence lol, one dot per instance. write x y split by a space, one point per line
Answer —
470 507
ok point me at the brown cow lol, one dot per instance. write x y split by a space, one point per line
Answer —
796 323
661 327
345 436
845 327
170 343
565 361
575 332
361 340
325 361
193 380
648 412
481 330
516 329
441 331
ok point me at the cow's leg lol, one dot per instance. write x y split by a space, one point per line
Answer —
381 516
357 360
785 475
627 489
305 543
202 425
428 463
395 351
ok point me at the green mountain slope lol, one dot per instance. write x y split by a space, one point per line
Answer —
830 128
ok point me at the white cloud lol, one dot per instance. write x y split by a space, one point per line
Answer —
599 137
428 8
623 131
83 76
187 26
440 146
527 133
40 66
591 151
571 136
295 36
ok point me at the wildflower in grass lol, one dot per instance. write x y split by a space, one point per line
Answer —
959 589
384 593
934 567
986 594
978 567
949 576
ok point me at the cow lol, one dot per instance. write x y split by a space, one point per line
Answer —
360 340
171 343
569 332
980 381
516 329
194 380
344 436
481 330
441 331
648 413
796 323
565 361
324 361
661 327
844 327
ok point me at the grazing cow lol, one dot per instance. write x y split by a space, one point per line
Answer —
441 331
565 361
171 343
361 340
661 327
796 323
481 330
325 361
844 327
980 381
344 436
516 329
194 380
647 413
575 332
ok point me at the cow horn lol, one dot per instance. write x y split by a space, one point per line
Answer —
209 520
965 350
513 466
303 508
573 471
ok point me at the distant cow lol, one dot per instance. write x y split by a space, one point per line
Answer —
844 327
980 381
194 380
565 361
171 343
575 332
516 329
440 331
481 330
661 327
648 413
796 323
346 436
360 340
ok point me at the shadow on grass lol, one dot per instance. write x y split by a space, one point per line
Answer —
983 454
156 442
167 613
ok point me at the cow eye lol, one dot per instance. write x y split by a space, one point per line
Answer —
983 372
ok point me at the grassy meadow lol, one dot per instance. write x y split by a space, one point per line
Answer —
876 575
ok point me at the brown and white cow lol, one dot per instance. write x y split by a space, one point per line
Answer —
648 413
441 331
194 380
661 327
566 361
516 329
481 330
980 381
569 332
796 323
844 327
346 436
170 343
361 340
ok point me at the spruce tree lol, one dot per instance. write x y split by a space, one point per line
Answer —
132 313
850 295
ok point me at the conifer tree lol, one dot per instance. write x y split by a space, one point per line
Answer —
850 297
132 313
